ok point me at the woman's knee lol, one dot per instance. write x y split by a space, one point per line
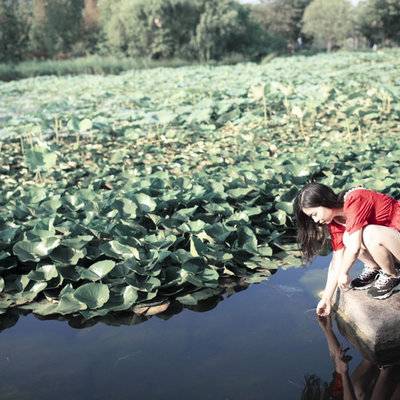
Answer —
379 235
346 238
371 235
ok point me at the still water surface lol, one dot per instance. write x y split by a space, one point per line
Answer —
257 343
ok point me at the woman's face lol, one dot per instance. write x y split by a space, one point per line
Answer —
321 215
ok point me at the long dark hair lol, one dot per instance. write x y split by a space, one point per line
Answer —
311 236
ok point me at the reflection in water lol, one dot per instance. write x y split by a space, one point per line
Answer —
371 379
227 288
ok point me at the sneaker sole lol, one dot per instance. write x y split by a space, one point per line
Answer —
362 287
386 295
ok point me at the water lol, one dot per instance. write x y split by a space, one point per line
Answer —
258 343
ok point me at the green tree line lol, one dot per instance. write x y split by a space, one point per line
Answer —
200 30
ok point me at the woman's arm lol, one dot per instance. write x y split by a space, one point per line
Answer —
342 261
339 358
324 306
333 272
353 245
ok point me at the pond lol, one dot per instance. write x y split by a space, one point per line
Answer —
257 343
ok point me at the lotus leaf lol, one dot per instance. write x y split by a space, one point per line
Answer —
7 233
40 159
102 268
145 202
66 255
118 250
77 242
85 125
43 273
247 239
123 300
193 298
94 295
33 251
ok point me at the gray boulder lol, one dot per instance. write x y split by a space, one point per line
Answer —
372 326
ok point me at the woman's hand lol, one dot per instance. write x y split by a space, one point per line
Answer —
341 360
344 281
323 308
325 323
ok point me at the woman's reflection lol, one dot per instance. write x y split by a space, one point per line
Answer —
368 381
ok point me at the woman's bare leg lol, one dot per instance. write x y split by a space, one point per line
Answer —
364 378
386 384
367 259
382 243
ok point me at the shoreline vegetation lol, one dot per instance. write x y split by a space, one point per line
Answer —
93 65
113 65
108 65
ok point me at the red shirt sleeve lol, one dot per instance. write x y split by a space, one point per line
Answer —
336 237
358 208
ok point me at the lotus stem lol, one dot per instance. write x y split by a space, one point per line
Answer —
265 109
348 130
56 127
38 177
302 130
286 103
22 145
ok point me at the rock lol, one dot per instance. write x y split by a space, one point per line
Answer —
373 326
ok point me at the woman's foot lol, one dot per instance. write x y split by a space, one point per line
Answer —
384 286
365 279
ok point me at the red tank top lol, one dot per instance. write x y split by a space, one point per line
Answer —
364 207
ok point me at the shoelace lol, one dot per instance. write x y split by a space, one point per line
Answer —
366 272
382 280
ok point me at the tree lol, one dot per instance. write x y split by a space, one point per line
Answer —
379 20
203 29
91 25
13 34
225 27
90 14
282 18
329 22
152 28
56 26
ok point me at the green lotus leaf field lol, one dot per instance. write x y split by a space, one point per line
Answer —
125 190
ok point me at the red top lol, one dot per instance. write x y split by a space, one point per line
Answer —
363 207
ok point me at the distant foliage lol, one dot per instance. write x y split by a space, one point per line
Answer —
190 30
329 22
379 21
91 27
56 26
226 27
282 19
13 33
154 28
201 29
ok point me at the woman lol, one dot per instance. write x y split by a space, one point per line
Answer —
362 224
